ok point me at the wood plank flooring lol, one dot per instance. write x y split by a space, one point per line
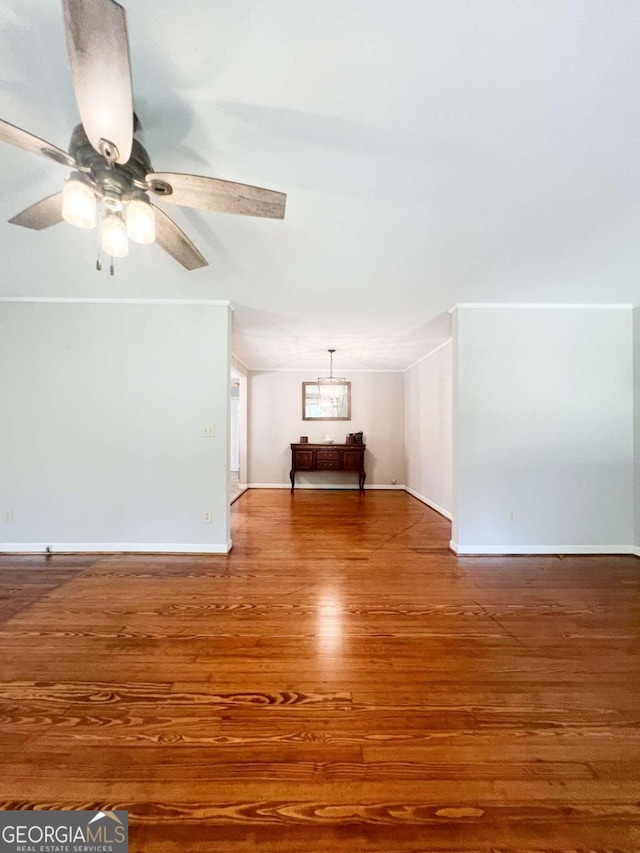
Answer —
339 682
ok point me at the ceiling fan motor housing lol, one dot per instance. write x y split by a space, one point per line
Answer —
118 178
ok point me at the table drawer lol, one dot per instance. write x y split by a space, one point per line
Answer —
303 460
328 464
328 455
353 460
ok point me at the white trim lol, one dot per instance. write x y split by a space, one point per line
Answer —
73 300
620 305
342 486
509 550
444 512
322 370
240 361
389 487
429 354
635 551
270 486
111 548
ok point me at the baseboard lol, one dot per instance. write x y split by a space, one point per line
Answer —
270 486
333 487
111 548
552 550
243 489
636 551
431 504
397 487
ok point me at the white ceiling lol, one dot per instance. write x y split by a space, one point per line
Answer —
432 152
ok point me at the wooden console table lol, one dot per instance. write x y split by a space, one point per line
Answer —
328 457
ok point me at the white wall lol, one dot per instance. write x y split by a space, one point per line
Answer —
275 420
428 429
543 404
101 426
636 424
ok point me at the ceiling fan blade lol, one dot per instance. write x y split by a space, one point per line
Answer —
222 196
173 240
98 47
27 141
42 214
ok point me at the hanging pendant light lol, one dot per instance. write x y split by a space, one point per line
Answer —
331 391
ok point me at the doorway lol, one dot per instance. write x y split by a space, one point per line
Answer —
237 434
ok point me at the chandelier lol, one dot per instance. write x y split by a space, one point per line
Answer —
331 391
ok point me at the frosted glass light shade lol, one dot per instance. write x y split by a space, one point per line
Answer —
113 235
141 220
331 393
78 204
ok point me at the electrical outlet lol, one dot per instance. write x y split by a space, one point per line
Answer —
207 516
7 515
512 518
393 481
209 431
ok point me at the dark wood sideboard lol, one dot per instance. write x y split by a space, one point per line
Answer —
328 457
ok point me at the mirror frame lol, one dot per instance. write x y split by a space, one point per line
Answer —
327 417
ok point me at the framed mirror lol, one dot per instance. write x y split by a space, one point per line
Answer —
326 401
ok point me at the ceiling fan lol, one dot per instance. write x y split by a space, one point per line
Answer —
112 171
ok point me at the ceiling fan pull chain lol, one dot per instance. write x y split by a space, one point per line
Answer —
99 259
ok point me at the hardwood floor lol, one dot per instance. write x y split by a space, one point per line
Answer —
339 682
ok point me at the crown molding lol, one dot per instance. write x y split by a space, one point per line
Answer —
319 370
73 300
429 354
240 361
624 306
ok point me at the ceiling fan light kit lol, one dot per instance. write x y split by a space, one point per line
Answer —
141 221
112 170
113 235
79 202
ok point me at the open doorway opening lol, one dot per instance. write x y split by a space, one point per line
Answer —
237 435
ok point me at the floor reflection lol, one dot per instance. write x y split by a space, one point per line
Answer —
330 618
